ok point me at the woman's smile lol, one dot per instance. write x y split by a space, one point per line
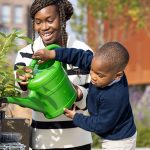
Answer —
47 36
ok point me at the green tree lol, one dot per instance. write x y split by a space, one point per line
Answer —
135 11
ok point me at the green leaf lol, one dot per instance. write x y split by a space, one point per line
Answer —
18 80
19 67
2 34
26 39
16 87
18 32
20 72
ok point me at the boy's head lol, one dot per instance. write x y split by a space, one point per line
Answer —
108 64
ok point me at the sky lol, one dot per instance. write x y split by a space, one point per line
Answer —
69 30
74 2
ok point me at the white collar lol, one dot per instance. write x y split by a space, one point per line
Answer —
113 82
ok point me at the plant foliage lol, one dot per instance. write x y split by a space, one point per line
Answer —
7 44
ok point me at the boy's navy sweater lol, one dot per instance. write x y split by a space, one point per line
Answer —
110 111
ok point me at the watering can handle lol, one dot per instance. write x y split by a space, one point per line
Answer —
49 47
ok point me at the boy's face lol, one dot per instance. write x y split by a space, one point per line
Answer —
100 73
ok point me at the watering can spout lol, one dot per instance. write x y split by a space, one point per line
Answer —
22 101
50 90
31 101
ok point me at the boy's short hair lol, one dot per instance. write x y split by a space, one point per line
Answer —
114 54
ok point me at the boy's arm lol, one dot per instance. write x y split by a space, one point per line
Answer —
102 122
76 57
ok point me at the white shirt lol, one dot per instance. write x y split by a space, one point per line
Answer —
61 137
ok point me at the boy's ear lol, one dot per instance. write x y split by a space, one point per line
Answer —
119 75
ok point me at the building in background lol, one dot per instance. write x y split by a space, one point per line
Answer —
15 14
136 41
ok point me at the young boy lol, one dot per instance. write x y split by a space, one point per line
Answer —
108 103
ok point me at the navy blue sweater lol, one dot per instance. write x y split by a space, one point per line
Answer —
110 111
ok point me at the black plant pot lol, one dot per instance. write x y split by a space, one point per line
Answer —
8 137
2 117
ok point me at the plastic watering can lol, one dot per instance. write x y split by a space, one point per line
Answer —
50 89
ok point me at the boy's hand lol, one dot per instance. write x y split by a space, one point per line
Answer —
43 55
70 113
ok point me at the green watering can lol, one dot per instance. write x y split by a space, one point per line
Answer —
50 89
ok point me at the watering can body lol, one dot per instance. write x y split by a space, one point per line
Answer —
50 90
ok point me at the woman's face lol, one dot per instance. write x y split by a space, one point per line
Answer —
47 24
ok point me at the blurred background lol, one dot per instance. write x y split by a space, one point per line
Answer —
97 22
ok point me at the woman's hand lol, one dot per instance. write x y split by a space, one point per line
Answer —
43 55
79 93
23 75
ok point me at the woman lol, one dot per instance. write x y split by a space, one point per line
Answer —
49 21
